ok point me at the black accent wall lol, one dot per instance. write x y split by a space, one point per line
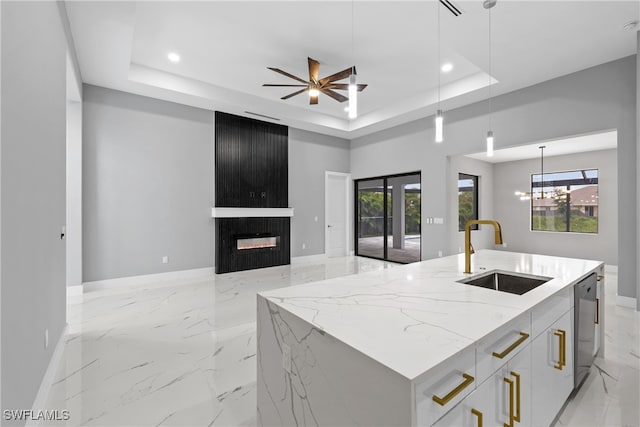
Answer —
231 259
251 166
251 171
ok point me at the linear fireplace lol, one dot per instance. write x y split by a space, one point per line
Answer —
257 242
248 243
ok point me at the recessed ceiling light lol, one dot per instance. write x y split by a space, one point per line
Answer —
173 57
630 25
447 67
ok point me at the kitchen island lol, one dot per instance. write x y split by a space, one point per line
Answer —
412 346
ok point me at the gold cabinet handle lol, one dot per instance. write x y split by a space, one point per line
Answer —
597 311
600 277
558 365
523 336
511 417
477 414
468 379
517 377
562 341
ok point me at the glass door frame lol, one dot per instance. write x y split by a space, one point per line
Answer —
385 228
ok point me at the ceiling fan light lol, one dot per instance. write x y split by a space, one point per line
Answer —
490 144
353 95
439 126
313 92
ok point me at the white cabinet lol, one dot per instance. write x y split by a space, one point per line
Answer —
552 366
445 387
504 399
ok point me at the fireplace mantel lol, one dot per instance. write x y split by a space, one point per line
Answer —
251 212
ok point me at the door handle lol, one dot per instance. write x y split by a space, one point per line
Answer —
523 336
328 226
517 415
511 417
468 379
597 311
562 341
477 414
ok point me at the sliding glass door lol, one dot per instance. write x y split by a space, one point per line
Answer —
388 217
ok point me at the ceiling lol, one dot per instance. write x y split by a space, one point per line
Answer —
576 144
226 47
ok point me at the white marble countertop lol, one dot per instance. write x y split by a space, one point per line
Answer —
412 318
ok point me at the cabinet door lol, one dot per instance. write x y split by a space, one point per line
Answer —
520 372
552 365
475 409
502 400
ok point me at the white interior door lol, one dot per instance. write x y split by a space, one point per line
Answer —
336 213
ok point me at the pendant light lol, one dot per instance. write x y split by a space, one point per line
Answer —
353 80
439 120
489 4
353 91
542 147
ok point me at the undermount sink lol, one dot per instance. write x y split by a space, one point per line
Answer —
515 283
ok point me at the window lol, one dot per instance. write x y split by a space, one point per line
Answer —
565 201
467 200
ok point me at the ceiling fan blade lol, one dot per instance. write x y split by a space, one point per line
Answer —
335 95
313 100
344 86
335 77
294 93
291 76
277 85
314 69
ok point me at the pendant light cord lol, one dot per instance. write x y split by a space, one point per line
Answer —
490 77
439 55
353 43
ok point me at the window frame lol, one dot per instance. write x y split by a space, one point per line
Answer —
476 198
588 181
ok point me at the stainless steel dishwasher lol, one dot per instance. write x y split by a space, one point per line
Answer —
585 327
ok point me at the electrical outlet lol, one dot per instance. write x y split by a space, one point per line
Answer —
440 254
304 246
286 357
165 259
46 339
504 245
315 218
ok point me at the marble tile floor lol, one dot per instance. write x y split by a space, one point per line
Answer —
182 352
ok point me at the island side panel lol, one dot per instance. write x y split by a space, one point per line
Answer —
329 383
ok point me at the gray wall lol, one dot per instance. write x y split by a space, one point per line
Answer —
484 237
33 194
147 185
310 155
595 99
515 214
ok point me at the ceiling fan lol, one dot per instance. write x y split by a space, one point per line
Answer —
315 86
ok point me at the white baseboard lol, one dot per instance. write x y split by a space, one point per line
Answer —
148 278
625 301
74 290
43 392
307 258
